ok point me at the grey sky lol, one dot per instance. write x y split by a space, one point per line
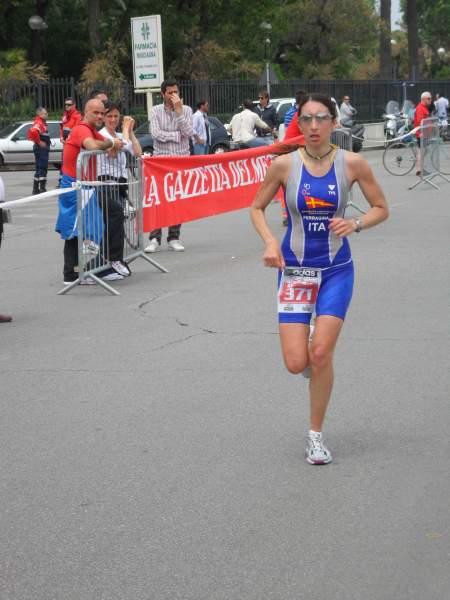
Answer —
395 14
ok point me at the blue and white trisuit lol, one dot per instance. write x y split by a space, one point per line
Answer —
310 202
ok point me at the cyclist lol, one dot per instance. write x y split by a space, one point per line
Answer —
314 260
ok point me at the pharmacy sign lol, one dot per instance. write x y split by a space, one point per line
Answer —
147 52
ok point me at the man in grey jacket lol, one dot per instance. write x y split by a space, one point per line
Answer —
348 112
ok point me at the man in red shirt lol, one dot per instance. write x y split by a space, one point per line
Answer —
422 112
70 118
38 134
83 136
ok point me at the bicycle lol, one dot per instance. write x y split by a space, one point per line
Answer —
400 157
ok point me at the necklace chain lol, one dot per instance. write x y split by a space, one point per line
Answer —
318 157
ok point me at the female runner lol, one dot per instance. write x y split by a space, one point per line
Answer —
314 260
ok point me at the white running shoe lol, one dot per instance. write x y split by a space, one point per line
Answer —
153 246
176 245
316 451
112 276
121 268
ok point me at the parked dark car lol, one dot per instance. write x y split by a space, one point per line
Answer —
220 140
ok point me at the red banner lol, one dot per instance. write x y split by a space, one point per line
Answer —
184 188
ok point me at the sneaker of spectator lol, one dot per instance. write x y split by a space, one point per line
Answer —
176 245
111 275
153 246
121 268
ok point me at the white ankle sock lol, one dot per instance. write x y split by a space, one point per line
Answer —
313 433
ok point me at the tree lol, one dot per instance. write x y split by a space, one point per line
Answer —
14 66
434 30
326 38
385 40
93 19
413 39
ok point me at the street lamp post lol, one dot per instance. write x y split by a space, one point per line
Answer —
37 24
442 53
266 55
395 54
267 27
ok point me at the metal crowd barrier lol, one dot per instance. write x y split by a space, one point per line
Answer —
109 216
429 153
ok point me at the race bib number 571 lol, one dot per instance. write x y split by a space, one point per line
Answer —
299 287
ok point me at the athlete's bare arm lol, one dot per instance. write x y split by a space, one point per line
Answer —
276 176
359 171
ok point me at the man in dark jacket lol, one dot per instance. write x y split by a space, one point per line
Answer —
268 114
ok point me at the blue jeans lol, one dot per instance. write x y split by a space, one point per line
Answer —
201 149
41 162
257 142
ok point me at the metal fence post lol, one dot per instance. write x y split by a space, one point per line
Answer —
39 93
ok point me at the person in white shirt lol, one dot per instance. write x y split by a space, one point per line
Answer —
114 198
243 127
441 107
202 131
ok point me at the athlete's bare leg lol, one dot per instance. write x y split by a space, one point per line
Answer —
321 352
294 346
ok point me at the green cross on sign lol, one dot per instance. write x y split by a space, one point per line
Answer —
145 30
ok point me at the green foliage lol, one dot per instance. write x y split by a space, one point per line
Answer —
434 31
203 38
14 110
326 38
209 60
105 66
14 66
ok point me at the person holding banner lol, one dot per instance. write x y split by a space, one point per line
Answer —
314 260
171 128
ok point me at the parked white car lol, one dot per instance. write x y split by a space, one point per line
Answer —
16 148
282 105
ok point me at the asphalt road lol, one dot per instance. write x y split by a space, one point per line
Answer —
152 443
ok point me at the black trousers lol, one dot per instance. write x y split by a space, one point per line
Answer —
112 202
173 233
70 259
